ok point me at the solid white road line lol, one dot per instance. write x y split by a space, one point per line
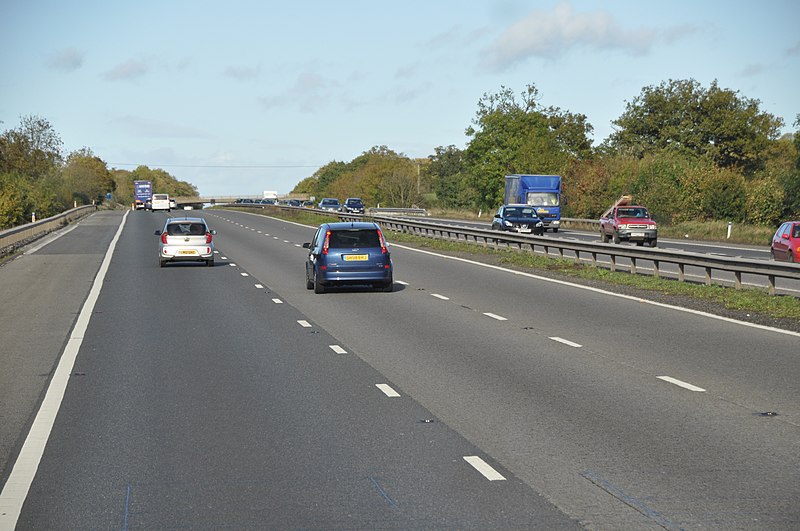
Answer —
442 297
337 349
483 467
679 383
566 342
19 481
495 316
304 323
387 390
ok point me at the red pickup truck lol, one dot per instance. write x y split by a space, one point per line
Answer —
627 222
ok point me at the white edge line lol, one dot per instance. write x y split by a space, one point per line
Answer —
442 297
679 383
566 342
605 292
387 390
484 468
19 481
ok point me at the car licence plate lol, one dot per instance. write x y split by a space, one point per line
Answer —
355 257
189 251
637 234
523 230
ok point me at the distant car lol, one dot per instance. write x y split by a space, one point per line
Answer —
160 202
173 203
309 204
518 218
353 205
295 202
786 242
268 201
329 203
186 239
348 253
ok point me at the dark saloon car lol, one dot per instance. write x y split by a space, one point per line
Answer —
329 203
786 242
518 218
348 253
353 205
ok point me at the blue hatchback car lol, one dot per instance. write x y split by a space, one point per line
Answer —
348 253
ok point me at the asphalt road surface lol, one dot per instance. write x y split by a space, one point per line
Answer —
469 398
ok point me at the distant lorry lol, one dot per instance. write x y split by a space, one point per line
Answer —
626 221
270 194
540 191
142 193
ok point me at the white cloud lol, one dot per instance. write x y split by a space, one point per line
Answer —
148 128
68 60
242 73
128 70
549 34
311 92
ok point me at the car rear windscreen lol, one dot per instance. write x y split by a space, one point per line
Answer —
342 239
186 229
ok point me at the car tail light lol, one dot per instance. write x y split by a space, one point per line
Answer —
164 237
208 237
383 242
327 242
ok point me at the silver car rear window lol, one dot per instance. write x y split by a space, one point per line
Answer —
186 229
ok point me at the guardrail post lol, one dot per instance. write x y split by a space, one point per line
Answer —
656 273
594 258
771 282
681 273
613 262
738 283
633 266
708 276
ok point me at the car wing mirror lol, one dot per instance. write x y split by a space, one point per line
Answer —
307 245
157 233
213 232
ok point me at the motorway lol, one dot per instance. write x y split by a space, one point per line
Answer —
471 397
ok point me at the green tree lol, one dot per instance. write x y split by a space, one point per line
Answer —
86 178
32 150
447 174
713 122
511 135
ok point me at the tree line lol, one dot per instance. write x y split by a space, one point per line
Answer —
686 151
36 177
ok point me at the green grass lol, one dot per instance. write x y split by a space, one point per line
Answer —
749 300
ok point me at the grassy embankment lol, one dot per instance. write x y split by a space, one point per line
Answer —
750 300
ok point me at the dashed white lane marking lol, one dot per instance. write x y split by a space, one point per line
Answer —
402 283
495 316
245 275
387 390
232 264
259 286
679 383
304 323
224 257
566 342
483 467
442 297
297 245
277 301
259 232
216 252
275 238
286 241
337 349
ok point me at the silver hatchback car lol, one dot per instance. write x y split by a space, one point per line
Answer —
186 239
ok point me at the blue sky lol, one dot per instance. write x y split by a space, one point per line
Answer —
238 97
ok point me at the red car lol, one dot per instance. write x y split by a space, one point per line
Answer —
786 242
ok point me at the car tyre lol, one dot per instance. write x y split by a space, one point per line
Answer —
309 283
790 257
318 287
555 230
653 243
162 263
210 263
388 287
604 237
616 238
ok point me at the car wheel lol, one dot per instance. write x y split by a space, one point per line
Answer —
309 283
318 287
639 244
555 230
388 287
790 257
616 238
653 243
210 263
604 237
162 263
